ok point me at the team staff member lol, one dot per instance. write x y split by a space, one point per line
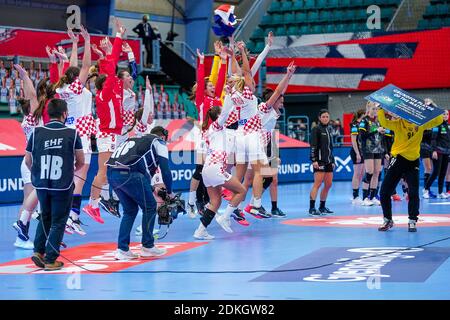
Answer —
404 163
440 142
52 151
323 162
129 171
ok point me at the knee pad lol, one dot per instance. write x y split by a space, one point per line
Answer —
367 178
207 217
198 172
267 181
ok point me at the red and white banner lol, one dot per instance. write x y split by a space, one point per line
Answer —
31 43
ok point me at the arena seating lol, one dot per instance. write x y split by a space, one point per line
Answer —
298 17
436 15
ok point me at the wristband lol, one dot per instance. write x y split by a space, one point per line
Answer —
130 56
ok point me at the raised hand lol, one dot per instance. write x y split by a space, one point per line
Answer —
119 26
85 34
106 45
22 72
126 47
270 39
224 54
291 68
218 47
97 51
72 36
50 54
241 46
61 53
201 56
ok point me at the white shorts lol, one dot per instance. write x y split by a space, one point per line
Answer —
25 172
107 144
86 142
249 148
212 175
230 145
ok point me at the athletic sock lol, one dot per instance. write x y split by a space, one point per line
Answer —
372 193
365 193
105 192
274 205
25 216
257 203
322 204
252 201
114 195
229 210
94 202
312 204
355 193
192 197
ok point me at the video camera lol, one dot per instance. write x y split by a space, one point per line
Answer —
170 209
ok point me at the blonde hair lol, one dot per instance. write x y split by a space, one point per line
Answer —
239 82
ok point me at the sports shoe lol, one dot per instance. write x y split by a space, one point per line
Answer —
22 230
147 253
357 201
125 255
412 226
94 213
239 216
202 235
432 195
68 229
191 211
314 213
57 265
27 245
443 195
138 231
277 213
376 202
38 260
396 197
110 207
36 215
76 226
227 194
387 224
367 202
248 208
426 194
224 222
325 211
260 212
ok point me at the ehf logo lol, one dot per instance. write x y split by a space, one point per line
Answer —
343 164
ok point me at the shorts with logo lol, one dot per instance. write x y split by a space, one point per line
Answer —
214 176
25 172
106 142
87 149
328 167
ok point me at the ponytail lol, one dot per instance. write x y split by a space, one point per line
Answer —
212 114
137 117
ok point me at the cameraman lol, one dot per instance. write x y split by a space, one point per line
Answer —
130 170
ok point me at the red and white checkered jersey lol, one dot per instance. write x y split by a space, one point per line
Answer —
216 139
217 157
72 94
129 100
28 124
86 126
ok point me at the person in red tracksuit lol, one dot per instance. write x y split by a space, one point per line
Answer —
109 103
206 96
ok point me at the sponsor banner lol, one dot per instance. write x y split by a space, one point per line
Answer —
361 61
405 105
12 42
378 264
370 221
12 138
295 167
98 257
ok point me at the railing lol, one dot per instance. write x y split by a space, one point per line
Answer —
340 141
184 50
298 133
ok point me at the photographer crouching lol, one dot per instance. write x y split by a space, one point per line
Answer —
130 170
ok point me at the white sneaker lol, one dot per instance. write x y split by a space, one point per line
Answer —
68 229
376 202
191 211
125 255
76 226
202 235
443 195
27 245
357 201
35 215
138 231
426 194
367 202
152 252
224 223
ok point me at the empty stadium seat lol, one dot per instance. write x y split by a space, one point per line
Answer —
292 31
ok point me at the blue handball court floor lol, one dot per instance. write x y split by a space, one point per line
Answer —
340 256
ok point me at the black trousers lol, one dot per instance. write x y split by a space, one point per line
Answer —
400 167
55 206
149 48
439 170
